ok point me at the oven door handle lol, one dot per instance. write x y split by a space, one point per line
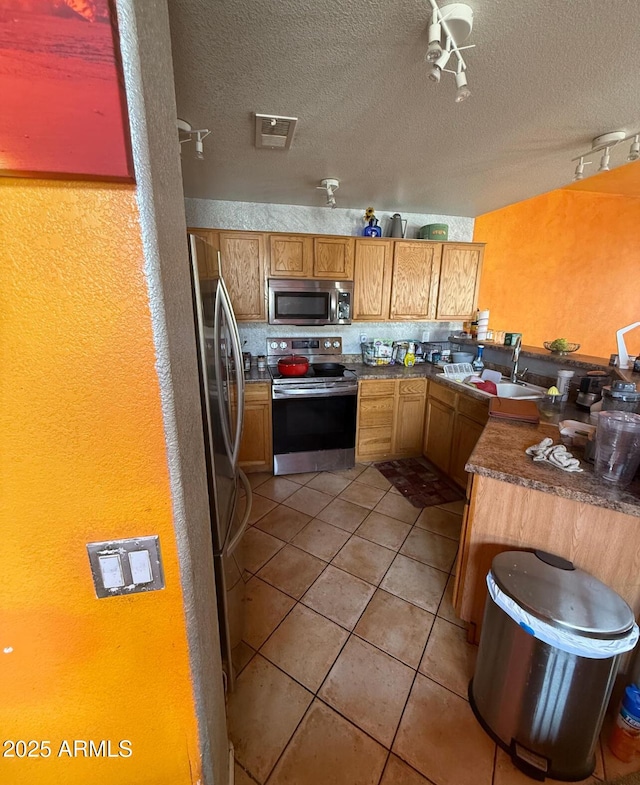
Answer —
279 394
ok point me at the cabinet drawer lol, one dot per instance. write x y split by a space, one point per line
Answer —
374 442
413 386
442 393
376 412
475 410
257 392
369 389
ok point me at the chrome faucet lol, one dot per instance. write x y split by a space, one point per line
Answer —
514 360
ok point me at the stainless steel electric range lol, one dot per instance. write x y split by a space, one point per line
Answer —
314 416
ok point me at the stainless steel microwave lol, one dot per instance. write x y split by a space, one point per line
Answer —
294 301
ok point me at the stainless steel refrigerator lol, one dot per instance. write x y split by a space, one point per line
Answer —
222 395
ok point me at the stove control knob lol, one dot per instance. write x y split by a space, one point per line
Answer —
283 344
273 345
336 344
327 344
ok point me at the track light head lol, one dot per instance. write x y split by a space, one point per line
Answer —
634 151
435 72
463 88
579 174
435 45
604 161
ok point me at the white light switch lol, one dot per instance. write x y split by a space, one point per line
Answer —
140 564
111 570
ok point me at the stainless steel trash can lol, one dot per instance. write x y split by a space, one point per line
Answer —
550 646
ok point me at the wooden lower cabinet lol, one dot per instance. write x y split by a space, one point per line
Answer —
390 418
453 426
256 447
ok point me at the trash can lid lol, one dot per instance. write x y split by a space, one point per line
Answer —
553 590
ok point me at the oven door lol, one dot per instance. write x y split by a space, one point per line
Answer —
314 431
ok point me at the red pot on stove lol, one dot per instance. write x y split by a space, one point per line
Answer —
294 365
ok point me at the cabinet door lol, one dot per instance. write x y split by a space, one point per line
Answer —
333 257
256 451
208 266
459 281
409 426
466 433
411 289
372 279
290 256
243 269
439 434
376 414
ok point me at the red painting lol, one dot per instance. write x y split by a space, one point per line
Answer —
62 107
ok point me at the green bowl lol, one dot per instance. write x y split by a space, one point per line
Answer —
435 232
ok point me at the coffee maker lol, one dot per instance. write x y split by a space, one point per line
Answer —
590 389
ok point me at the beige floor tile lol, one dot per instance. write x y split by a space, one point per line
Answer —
384 530
308 501
364 495
440 737
321 539
398 773
339 596
440 521
302 478
396 506
292 571
457 507
429 548
416 582
277 488
240 776
448 658
329 483
256 548
265 608
305 645
343 514
507 774
241 656
283 522
369 688
364 559
260 506
258 478
353 472
262 714
396 626
328 750
446 609
371 476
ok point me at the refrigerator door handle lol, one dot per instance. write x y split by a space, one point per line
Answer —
233 543
237 350
224 418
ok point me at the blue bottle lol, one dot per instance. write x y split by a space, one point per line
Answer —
478 362
372 230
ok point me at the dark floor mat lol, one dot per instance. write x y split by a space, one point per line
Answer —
419 481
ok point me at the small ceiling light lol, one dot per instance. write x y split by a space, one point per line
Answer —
634 152
463 89
187 134
435 44
604 161
579 175
435 72
329 184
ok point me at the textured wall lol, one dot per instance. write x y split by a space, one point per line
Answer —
254 216
83 458
563 265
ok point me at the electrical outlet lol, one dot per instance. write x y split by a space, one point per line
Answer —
363 337
425 335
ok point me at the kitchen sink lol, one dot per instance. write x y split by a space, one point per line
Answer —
522 390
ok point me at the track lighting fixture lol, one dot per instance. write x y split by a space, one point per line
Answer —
329 184
454 22
605 143
187 134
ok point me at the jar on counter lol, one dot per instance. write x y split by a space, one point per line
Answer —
261 362
622 397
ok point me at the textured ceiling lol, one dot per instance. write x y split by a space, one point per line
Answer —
546 76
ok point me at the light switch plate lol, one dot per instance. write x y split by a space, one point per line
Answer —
138 559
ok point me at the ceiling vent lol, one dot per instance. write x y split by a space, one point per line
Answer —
274 132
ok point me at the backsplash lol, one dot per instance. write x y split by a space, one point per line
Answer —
256 333
262 217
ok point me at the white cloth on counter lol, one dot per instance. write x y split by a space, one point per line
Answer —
555 454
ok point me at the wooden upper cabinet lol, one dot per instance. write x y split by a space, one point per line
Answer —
415 267
459 281
208 264
372 279
242 260
333 257
290 256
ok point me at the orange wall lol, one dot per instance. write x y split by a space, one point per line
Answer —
564 265
82 458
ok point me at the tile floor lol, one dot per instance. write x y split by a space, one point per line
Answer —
354 668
